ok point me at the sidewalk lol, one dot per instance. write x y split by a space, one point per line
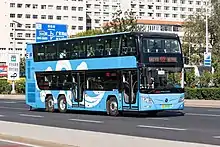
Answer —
203 103
15 97
78 138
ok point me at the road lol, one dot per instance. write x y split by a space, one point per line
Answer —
200 125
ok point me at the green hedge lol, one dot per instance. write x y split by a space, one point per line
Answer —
202 93
5 87
190 93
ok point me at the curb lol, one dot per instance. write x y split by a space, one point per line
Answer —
16 97
33 142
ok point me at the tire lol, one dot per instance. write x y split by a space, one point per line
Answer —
112 107
62 105
49 104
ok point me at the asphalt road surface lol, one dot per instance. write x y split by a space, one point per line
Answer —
200 125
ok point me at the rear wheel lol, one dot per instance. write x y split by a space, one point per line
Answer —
62 105
112 107
49 104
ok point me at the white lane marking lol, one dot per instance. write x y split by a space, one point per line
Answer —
198 114
159 118
8 102
2 116
2 107
214 110
164 128
216 137
89 121
27 115
20 143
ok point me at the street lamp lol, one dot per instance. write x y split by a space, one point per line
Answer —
207 33
14 48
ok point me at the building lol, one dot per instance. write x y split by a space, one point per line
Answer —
19 17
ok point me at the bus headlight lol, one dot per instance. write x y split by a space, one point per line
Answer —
181 99
147 99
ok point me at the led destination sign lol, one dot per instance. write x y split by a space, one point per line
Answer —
163 59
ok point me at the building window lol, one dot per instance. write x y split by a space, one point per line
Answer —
35 16
73 8
80 27
12 5
158 14
19 5
174 15
12 15
35 6
158 7
19 15
166 7
74 18
50 17
65 7
28 26
50 7
28 35
80 18
19 35
73 27
80 8
43 16
58 7
27 16
65 17
43 6
27 5
58 17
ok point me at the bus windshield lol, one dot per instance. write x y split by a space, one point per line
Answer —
157 45
162 79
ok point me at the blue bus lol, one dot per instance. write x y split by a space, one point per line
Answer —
126 71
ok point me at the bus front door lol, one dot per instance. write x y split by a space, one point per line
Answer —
129 90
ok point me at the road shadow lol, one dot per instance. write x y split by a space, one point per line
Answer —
165 113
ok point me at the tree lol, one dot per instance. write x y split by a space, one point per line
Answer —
195 32
121 22
22 66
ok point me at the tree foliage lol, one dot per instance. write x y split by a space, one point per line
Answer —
195 32
195 39
121 22
22 65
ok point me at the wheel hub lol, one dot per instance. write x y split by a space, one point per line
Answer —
113 106
62 104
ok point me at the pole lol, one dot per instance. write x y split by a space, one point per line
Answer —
207 39
13 82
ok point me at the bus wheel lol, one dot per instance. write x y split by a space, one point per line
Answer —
62 105
49 104
112 107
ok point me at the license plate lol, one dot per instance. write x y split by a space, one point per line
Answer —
165 106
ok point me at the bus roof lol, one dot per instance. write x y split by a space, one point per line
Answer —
146 34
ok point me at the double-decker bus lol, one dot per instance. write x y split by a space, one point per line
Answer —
127 71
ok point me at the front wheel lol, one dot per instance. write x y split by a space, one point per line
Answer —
112 107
